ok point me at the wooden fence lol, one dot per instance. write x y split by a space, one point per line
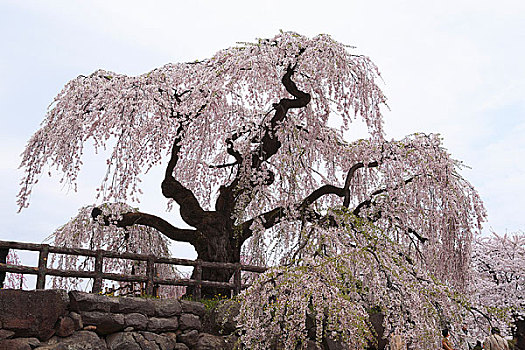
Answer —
150 279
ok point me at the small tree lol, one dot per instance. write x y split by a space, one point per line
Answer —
261 162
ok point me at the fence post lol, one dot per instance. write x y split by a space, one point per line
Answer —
97 282
198 278
42 267
3 259
150 273
237 279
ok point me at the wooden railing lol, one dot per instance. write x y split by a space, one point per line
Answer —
98 275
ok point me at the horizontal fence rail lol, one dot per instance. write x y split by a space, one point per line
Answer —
98 275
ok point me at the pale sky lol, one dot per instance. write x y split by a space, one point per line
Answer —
449 67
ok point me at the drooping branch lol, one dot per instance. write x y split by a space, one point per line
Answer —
350 175
320 192
161 225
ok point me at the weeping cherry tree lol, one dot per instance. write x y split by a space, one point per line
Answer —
260 159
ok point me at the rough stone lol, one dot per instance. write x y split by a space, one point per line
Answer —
210 342
136 320
83 340
167 308
131 305
193 307
162 324
171 336
162 341
5 334
190 338
122 341
15 344
80 301
19 343
77 319
32 313
65 327
145 344
34 342
189 321
106 323
180 346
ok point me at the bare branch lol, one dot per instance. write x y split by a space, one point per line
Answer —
274 216
269 143
161 225
190 209
349 177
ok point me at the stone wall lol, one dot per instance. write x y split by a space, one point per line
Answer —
56 320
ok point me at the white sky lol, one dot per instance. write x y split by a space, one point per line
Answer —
450 67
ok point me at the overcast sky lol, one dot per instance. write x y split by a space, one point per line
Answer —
451 67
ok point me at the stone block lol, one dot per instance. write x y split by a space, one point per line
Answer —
19 343
106 323
167 308
81 301
5 334
190 338
136 320
122 341
162 324
15 344
32 313
210 342
189 321
193 307
222 317
65 327
163 342
139 305
81 340
77 319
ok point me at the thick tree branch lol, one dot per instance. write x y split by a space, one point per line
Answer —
274 216
161 225
190 209
320 192
268 144
350 175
